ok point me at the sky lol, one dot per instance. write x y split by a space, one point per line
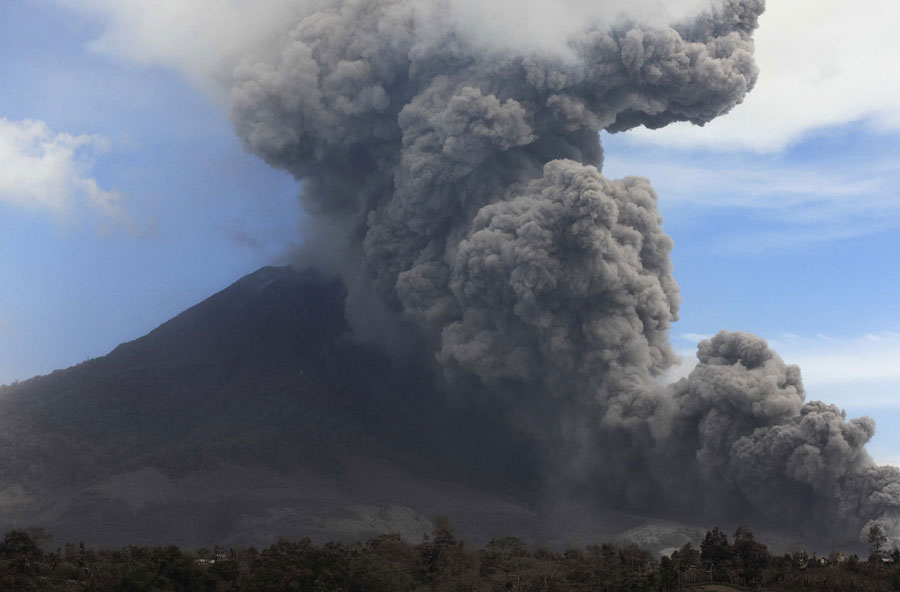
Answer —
125 196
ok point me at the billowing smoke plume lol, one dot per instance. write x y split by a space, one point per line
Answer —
463 173
741 417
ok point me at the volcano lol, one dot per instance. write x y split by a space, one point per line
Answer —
255 415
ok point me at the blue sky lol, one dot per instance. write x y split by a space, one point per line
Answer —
785 213
194 210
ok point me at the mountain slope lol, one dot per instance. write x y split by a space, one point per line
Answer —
257 385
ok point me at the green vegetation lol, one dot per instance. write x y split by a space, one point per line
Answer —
439 563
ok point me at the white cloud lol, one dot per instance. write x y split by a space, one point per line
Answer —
685 363
858 372
546 25
852 372
801 203
47 170
693 338
822 63
201 39
767 185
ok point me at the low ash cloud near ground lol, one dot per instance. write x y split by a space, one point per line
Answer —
455 179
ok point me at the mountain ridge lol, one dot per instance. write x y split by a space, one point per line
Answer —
262 376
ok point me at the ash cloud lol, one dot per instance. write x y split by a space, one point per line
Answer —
462 177
744 427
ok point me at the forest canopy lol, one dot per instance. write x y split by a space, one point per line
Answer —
440 562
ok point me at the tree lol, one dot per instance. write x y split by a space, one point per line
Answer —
668 574
716 554
754 555
686 557
714 547
507 546
442 533
18 543
877 539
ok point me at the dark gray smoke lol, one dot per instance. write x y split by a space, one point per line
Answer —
462 175
741 422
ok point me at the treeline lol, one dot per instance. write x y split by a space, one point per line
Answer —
439 563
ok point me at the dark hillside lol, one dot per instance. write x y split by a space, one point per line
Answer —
255 415
261 374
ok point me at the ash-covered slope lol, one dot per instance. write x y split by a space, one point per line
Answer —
254 415
259 385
